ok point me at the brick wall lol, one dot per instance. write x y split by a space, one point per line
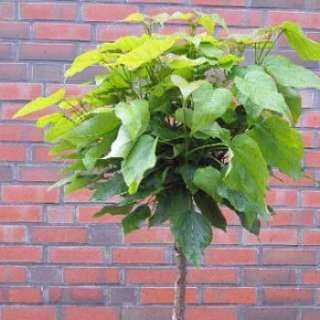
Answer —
58 263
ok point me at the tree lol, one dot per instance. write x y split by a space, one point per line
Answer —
180 125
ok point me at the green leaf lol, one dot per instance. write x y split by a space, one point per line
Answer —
280 145
184 116
192 233
135 17
121 145
294 102
247 170
114 186
114 210
187 171
208 105
78 182
135 219
58 130
93 128
141 158
170 202
176 62
84 61
123 44
48 119
135 116
211 51
289 74
207 21
306 48
40 103
148 51
185 87
214 130
210 209
208 179
261 92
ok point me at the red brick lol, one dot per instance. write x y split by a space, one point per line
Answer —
213 275
278 197
47 51
280 179
91 275
232 236
230 295
312 159
138 255
154 235
60 214
41 153
246 18
278 3
29 313
13 71
62 31
107 12
272 236
6 51
12 233
269 276
311 237
48 11
10 132
312 314
59 234
19 91
311 198
20 214
288 257
210 313
82 195
285 296
12 152
311 119
76 295
220 2
7 11
23 295
165 295
305 19
268 313
14 30
20 254
12 274
88 255
112 33
158 1
311 277
308 139
230 256
71 89
29 194
151 276
89 313
287 217
85 215
45 174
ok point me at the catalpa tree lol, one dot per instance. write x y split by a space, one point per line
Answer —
180 125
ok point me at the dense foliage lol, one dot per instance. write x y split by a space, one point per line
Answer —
180 124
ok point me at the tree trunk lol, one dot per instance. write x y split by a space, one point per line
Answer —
180 289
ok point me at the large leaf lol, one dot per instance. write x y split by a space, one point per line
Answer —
115 209
208 179
261 92
170 202
41 103
78 182
148 51
185 87
93 128
135 219
114 186
84 61
122 145
192 232
247 170
293 100
141 158
280 145
208 105
289 74
134 115
210 209
306 48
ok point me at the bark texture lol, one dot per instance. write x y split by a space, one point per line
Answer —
180 289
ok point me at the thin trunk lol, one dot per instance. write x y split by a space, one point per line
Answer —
179 306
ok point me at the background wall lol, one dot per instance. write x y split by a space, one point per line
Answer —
57 262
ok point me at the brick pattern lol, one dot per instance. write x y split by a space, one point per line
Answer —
59 263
